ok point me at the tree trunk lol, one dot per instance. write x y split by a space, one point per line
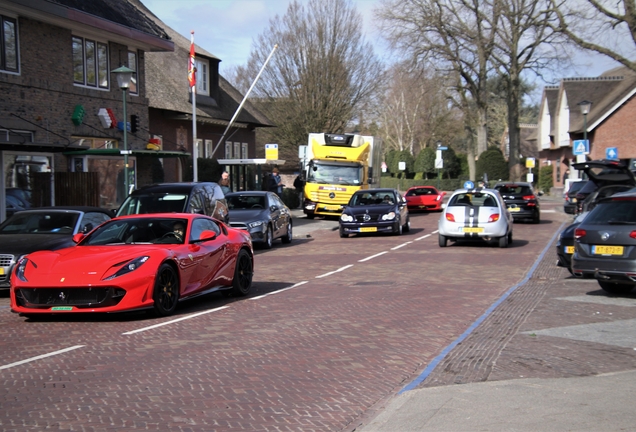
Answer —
514 139
482 131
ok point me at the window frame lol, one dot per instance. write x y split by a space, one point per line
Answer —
133 63
3 45
203 76
100 55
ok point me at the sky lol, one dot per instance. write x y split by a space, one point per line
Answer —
226 28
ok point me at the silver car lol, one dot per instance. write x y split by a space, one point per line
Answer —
476 214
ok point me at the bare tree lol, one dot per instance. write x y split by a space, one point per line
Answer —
606 27
458 36
321 75
414 109
525 41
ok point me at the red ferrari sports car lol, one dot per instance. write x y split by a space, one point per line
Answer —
424 198
149 261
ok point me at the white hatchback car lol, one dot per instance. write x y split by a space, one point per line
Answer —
476 214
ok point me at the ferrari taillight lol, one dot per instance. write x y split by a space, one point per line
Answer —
579 233
633 234
450 217
494 217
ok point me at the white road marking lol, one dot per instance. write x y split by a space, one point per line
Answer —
372 256
402 245
425 236
175 320
40 357
335 271
278 291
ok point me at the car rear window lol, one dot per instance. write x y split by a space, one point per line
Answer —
473 199
420 192
618 211
514 189
576 186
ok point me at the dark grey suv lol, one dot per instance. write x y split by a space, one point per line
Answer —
205 198
605 244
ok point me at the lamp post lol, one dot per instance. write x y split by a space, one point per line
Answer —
585 110
124 76
439 155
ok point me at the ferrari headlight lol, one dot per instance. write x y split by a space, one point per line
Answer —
388 216
346 218
256 224
130 266
20 269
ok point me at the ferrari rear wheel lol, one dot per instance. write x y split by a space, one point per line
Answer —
242 282
166 292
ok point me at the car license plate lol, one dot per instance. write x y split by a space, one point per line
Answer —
607 250
1 271
472 230
368 229
332 207
62 308
514 209
569 250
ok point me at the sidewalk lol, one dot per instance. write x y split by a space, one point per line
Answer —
556 354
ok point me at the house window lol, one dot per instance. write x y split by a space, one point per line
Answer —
228 150
208 148
203 77
90 63
9 44
237 150
244 151
132 64
200 149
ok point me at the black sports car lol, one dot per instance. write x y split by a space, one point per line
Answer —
46 228
373 211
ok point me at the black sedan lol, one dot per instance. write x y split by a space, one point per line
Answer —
262 214
521 200
375 211
47 228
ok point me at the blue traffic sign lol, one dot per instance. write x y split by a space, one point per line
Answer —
581 147
611 153
469 185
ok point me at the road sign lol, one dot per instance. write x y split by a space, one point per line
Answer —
439 163
271 151
442 148
581 147
469 185
611 153
530 163
401 166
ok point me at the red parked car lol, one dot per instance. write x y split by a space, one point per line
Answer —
424 198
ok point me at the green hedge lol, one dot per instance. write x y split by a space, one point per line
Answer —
403 184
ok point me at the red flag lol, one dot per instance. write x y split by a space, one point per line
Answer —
192 70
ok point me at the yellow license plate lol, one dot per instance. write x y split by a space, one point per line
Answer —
368 229
332 207
472 230
514 209
569 250
1 271
607 250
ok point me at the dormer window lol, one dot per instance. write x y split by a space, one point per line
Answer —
203 77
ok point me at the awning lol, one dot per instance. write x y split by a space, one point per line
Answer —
251 162
119 152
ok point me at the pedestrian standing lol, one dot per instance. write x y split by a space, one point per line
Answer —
225 184
299 184
276 183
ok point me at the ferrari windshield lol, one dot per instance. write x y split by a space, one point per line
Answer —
139 230
325 173
41 222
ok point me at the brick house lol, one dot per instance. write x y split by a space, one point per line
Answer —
609 123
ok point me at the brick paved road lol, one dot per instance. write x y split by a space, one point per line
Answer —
374 311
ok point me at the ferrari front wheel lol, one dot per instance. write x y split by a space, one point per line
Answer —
243 272
166 291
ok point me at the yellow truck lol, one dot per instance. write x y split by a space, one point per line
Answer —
337 166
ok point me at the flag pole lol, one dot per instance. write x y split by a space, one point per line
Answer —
193 86
238 110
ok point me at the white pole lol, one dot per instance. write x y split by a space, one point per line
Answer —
238 110
195 150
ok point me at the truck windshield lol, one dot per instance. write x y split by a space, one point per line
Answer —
335 174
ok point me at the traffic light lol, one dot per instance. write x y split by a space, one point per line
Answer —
134 123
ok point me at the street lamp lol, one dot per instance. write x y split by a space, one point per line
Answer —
124 76
585 110
439 155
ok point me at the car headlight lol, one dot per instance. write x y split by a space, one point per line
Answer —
388 216
346 218
130 266
20 269
256 224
